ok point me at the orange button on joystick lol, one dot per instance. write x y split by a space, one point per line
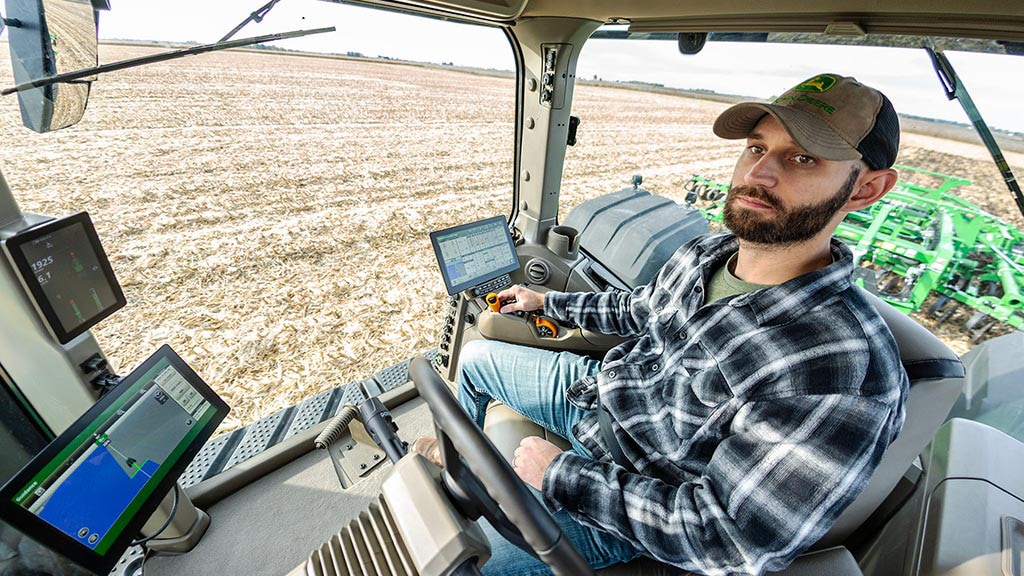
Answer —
492 302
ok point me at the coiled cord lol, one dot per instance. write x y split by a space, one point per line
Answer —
170 518
336 427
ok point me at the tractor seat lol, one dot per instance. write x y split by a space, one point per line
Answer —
936 377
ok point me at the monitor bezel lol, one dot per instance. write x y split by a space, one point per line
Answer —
50 536
13 247
453 290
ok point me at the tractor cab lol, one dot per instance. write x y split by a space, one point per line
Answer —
139 468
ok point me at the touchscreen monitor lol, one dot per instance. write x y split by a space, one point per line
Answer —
67 275
88 493
471 254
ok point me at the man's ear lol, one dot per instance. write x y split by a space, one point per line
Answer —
871 186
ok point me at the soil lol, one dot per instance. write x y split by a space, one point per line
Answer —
268 214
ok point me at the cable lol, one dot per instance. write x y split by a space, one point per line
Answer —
170 517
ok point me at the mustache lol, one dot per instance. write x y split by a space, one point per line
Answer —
755 193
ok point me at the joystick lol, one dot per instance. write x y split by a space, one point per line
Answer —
492 302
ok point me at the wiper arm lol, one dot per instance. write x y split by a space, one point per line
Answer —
954 88
257 16
133 62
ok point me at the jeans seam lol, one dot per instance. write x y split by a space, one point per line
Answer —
481 409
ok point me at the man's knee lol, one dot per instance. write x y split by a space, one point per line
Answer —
476 352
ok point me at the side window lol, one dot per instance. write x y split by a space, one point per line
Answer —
647 109
635 120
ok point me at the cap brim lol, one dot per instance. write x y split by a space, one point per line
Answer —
807 130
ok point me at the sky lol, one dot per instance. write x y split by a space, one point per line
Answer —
906 76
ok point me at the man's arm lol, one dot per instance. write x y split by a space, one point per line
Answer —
612 312
622 313
770 490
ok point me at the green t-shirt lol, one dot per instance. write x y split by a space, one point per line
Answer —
724 283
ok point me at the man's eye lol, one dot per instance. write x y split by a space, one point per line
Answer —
803 159
755 149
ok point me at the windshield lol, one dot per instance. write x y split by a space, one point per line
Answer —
267 212
647 109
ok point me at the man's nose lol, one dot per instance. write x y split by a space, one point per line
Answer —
764 172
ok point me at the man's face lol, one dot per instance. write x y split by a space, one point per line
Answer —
780 194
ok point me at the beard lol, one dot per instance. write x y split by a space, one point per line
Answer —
787 226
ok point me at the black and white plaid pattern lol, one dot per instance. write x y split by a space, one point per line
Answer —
754 421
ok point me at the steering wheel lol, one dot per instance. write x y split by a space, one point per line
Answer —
481 482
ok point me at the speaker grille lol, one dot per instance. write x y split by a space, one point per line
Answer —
369 546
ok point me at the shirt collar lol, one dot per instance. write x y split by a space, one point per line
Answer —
779 304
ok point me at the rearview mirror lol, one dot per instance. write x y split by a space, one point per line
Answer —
48 37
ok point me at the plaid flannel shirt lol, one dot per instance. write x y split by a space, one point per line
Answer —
753 421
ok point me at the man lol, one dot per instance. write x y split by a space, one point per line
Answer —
760 389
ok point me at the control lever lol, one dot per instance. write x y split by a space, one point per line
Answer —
492 302
545 328
382 428
495 305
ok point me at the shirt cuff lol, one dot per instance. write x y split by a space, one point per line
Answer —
561 480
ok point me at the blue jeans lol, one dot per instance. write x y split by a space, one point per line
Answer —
533 382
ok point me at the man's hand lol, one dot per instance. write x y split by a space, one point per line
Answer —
525 300
532 458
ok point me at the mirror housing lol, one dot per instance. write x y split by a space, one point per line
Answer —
692 42
47 37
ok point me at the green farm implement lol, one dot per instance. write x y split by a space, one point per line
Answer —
918 240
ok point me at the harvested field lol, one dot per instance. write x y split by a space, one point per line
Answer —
267 214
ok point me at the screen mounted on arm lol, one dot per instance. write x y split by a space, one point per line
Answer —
89 492
473 254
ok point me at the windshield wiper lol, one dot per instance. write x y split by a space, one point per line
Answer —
257 16
955 89
133 62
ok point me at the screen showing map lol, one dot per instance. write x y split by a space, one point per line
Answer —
472 254
94 481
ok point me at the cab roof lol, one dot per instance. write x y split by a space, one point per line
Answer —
987 19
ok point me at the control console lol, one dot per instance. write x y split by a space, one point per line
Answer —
503 281
475 259
444 348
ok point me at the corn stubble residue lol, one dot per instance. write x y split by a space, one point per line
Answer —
267 214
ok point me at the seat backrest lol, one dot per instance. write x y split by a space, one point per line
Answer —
936 379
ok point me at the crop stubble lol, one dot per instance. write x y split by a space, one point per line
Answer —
267 214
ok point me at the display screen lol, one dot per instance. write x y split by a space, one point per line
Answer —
97 483
67 273
474 253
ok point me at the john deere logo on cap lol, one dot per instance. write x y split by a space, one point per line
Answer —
820 83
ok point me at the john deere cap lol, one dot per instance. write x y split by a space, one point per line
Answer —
830 116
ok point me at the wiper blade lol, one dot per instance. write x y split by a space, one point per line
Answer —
133 62
955 89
